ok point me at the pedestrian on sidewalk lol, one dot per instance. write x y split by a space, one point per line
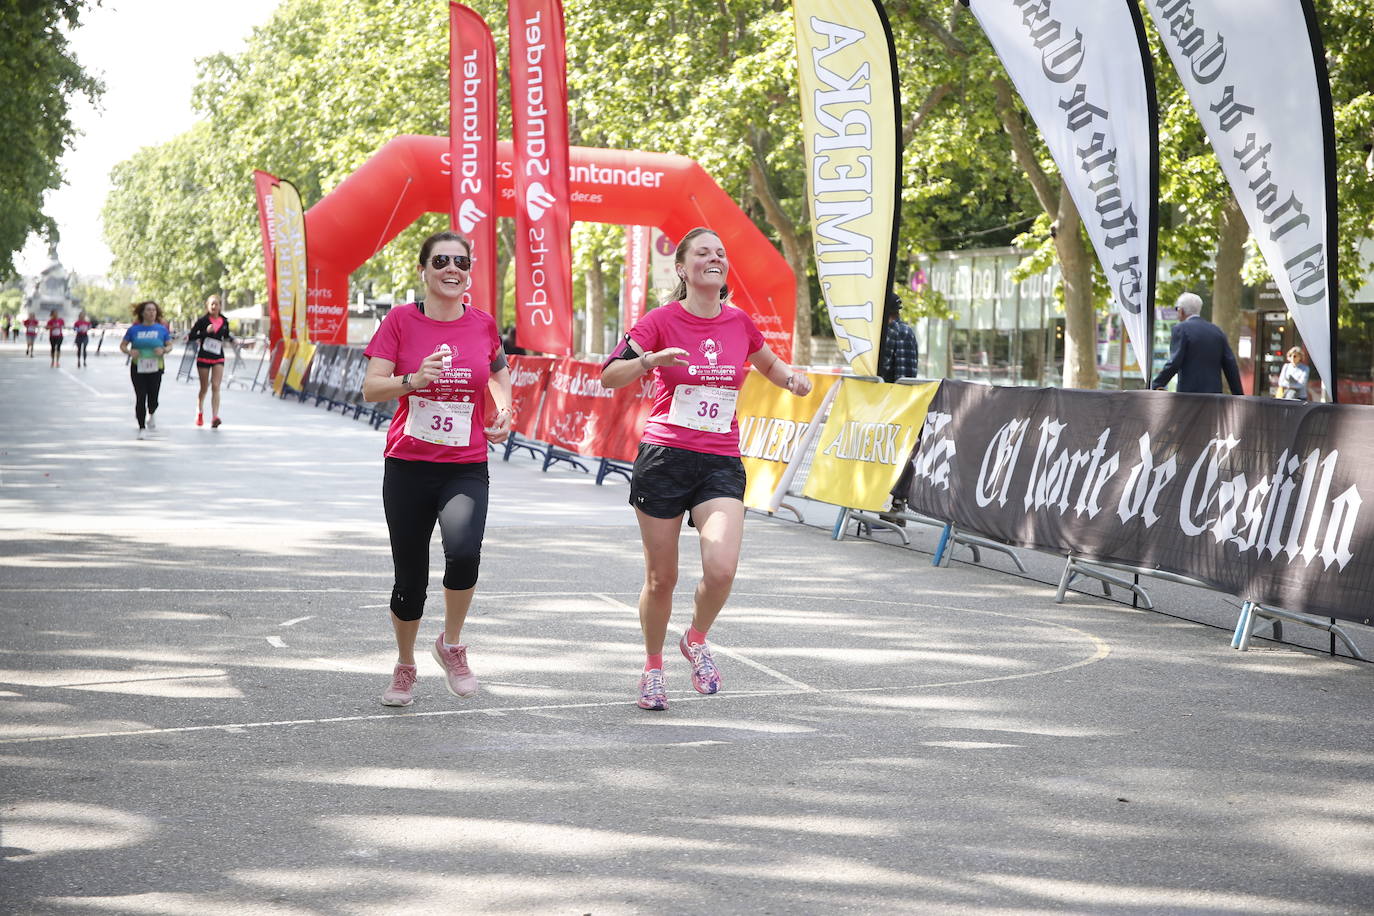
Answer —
1199 353
439 358
146 342
55 326
1295 377
82 327
699 347
211 331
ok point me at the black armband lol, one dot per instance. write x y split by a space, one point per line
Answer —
623 350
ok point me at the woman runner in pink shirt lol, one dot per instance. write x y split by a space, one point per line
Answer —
699 347
439 358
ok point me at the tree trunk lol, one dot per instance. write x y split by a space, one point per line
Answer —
1080 315
1232 231
795 250
594 342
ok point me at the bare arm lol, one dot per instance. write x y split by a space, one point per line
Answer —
381 383
621 372
779 372
500 387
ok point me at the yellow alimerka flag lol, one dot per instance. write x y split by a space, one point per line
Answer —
772 421
850 116
866 442
305 350
288 249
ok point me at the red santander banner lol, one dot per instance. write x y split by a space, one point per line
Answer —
267 217
632 302
582 416
472 146
543 223
529 376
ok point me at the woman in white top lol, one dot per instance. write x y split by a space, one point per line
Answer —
1294 376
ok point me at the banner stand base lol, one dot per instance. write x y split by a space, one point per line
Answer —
952 536
949 536
864 519
1074 567
1251 610
516 441
554 455
609 467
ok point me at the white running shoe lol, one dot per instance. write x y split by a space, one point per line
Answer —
152 423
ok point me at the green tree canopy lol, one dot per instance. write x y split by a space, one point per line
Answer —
38 77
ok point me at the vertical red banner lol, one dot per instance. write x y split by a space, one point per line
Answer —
543 223
262 187
472 146
636 292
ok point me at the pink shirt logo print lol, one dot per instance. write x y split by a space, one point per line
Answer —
711 349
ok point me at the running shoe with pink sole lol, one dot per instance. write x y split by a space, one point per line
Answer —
400 693
653 692
705 674
458 677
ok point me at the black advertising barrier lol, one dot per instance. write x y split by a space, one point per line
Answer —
1256 497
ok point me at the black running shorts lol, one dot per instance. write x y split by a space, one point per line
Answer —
668 481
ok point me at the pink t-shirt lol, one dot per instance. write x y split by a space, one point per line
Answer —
718 351
55 326
81 326
406 337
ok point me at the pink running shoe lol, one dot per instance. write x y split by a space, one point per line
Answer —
653 693
402 683
458 677
705 674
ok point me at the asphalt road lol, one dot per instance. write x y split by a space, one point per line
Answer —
194 635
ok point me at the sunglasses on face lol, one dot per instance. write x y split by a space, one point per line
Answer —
460 261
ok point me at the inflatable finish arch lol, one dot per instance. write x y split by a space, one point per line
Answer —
409 177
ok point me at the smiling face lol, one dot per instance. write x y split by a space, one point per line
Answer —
449 281
212 306
704 263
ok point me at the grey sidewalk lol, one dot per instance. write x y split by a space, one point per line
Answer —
194 635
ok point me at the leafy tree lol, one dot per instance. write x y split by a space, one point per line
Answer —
101 302
38 76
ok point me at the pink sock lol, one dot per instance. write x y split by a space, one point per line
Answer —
695 637
654 661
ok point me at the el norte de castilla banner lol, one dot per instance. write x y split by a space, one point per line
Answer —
1083 69
1259 498
1256 74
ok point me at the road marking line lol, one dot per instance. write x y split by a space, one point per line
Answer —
94 391
717 647
295 620
759 666
275 642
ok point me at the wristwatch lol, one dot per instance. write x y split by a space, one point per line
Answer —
405 382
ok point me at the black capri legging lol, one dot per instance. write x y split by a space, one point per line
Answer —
56 344
416 494
147 385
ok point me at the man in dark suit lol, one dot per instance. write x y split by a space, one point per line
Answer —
1199 353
